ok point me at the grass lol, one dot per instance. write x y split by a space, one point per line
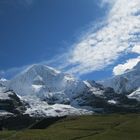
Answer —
97 127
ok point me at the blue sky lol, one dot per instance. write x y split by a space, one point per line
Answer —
81 37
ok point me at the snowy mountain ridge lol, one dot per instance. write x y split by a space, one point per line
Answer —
125 83
43 91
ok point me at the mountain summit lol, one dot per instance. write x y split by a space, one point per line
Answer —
41 80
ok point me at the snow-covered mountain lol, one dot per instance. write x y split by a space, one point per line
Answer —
125 83
50 92
44 91
47 84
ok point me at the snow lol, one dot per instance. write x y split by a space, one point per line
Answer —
135 95
88 84
41 108
4 95
95 90
125 83
37 88
41 66
4 113
69 77
112 102
3 80
56 110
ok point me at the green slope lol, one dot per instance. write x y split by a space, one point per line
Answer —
97 127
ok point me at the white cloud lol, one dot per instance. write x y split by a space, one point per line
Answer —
121 68
98 49
136 49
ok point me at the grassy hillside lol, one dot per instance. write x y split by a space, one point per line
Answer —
98 127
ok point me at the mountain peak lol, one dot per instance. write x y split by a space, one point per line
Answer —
40 80
38 68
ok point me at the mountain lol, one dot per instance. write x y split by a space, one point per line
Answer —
125 83
42 91
46 83
49 91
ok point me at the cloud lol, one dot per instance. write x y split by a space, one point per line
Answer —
121 68
101 46
136 49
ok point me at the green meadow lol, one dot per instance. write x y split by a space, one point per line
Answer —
95 127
